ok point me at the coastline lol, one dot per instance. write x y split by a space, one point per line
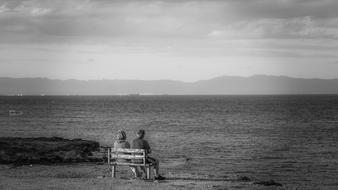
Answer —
91 172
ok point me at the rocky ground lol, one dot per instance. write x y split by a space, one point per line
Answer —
45 150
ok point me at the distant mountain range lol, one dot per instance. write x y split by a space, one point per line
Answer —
257 84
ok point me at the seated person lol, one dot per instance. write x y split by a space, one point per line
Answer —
140 143
122 143
121 140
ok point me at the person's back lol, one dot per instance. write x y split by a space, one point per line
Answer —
121 144
139 143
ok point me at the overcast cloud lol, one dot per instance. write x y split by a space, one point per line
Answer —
177 39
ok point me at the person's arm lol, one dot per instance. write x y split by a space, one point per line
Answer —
147 147
127 145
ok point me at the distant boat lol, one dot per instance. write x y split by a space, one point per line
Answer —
133 94
15 113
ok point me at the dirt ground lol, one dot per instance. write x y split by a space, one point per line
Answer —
97 176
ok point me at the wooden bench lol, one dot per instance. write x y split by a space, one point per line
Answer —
128 157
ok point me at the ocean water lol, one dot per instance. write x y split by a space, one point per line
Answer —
290 139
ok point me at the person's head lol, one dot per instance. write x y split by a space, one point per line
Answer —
121 135
140 133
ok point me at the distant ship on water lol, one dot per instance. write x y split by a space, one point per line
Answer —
134 94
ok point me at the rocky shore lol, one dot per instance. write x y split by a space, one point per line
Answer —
43 150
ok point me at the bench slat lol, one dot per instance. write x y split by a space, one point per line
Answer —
126 156
125 150
130 164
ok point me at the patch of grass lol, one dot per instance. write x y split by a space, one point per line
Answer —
71 174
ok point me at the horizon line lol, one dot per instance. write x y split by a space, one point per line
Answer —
238 76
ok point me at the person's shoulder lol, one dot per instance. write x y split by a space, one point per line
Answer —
121 144
146 144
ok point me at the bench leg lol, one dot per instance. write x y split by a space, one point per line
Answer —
108 156
113 171
148 172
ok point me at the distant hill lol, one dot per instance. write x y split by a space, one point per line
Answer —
258 84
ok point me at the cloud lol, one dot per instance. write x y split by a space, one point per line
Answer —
182 32
175 19
172 18
182 25
10 4
305 28
88 19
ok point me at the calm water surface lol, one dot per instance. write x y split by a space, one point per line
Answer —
291 139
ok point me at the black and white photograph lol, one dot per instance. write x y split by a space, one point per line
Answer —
168 94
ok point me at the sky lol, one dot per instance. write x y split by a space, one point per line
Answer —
182 40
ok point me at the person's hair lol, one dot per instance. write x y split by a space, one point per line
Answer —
140 133
121 135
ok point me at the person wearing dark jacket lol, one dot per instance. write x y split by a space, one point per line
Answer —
140 143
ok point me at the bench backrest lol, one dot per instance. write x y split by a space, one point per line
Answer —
123 156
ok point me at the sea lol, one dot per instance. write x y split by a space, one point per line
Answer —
291 139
